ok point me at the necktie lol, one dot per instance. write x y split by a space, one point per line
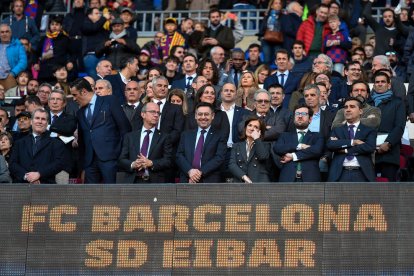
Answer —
188 85
35 144
299 165
351 136
198 151
89 114
54 117
236 78
159 103
145 143
282 79
132 106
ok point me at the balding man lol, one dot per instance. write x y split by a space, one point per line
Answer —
103 69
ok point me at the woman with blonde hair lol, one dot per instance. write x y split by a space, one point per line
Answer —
245 92
261 73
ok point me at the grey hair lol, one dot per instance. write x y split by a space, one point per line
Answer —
58 91
41 110
327 60
156 79
312 86
289 7
106 82
383 60
213 50
258 91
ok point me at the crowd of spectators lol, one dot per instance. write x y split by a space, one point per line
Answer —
81 101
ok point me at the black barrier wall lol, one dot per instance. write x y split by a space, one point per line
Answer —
266 229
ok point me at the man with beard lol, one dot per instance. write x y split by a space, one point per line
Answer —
387 156
385 34
32 87
299 151
217 34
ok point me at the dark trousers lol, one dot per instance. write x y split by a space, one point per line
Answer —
101 171
387 170
352 176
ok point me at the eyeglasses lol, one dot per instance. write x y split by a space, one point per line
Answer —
43 92
303 114
205 114
153 112
262 101
390 53
318 62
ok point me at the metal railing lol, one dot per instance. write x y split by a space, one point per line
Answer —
149 22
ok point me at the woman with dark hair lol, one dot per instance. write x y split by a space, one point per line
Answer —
154 72
6 143
250 159
207 94
209 70
55 49
20 90
178 97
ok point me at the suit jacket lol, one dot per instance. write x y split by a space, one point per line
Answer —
256 167
49 159
133 115
230 77
291 85
309 158
214 151
276 123
172 121
104 135
362 152
118 86
64 125
220 121
239 114
180 83
160 153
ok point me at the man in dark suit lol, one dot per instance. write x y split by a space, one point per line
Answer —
321 121
103 69
146 161
288 80
189 69
352 145
201 152
37 158
62 124
393 119
274 124
102 125
133 105
278 95
299 150
128 72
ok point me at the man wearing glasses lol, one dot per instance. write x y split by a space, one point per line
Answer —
147 161
298 152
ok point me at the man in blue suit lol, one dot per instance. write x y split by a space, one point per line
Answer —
189 69
102 124
288 80
201 151
298 152
352 145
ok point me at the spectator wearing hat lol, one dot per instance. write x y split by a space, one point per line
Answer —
118 46
144 64
23 122
128 16
171 37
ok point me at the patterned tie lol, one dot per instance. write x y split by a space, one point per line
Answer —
282 79
299 165
351 136
198 151
188 85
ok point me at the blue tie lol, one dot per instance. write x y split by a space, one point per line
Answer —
282 79
351 136
89 114
236 78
